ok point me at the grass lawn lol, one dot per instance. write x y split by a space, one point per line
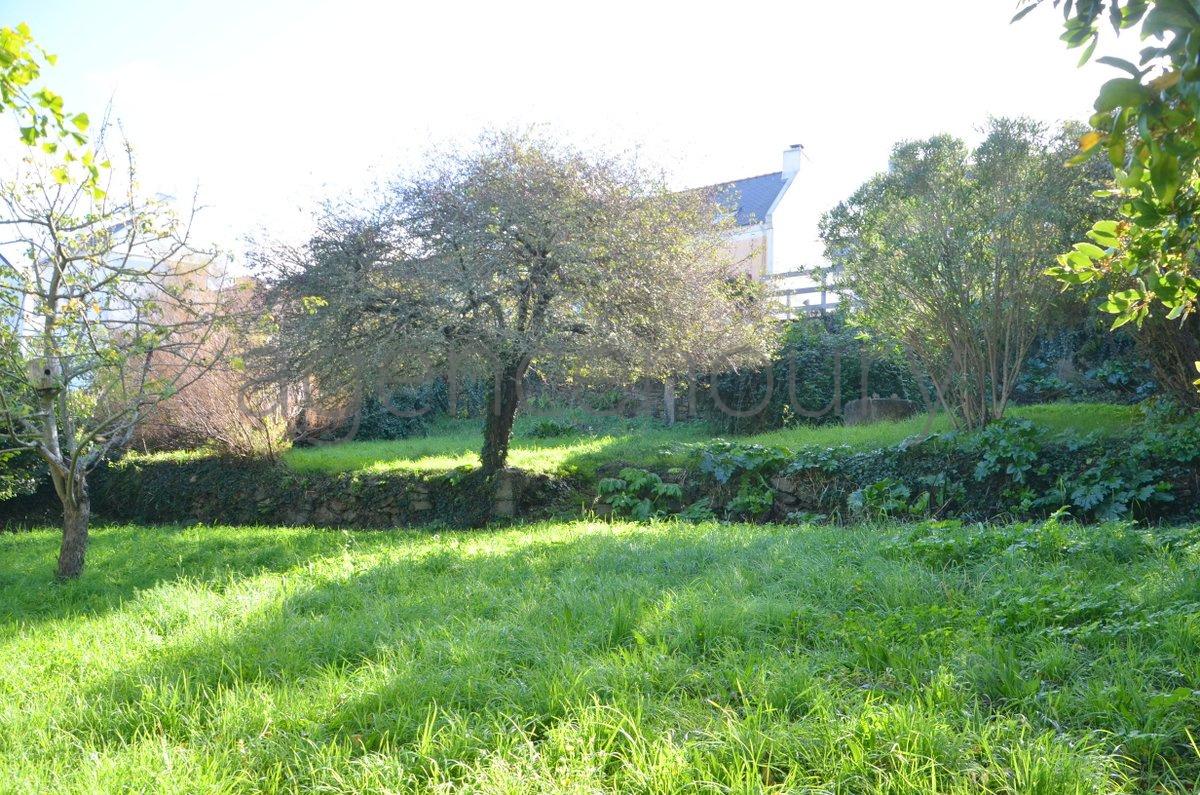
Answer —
585 657
455 444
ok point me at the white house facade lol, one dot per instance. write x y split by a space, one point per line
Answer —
766 241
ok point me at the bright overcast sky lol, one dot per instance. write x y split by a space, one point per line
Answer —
268 105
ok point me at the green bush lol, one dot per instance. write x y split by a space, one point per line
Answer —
549 428
1012 468
819 368
1085 361
639 494
20 474
249 491
747 468
412 410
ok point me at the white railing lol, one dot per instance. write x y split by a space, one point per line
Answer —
804 291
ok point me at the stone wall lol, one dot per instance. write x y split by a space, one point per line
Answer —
215 491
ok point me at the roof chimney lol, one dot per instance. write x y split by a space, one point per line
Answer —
791 160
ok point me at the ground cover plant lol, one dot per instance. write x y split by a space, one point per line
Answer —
667 657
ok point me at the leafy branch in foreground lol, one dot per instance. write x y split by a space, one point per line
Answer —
1146 123
44 121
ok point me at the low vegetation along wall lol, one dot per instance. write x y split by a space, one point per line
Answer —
1013 469
231 491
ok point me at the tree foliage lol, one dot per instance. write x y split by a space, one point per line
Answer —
1146 123
520 252
945 252
44 121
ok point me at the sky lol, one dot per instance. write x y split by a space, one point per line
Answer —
267 106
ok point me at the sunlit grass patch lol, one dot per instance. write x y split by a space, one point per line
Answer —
596 657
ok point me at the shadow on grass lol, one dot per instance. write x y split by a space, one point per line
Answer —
126 559
527 631
500 633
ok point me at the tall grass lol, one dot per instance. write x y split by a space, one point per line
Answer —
604 658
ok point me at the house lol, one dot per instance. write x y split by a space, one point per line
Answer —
764 242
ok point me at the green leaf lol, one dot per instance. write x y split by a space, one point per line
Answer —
1121 321
1120 92
1121 63
1021 14
1077 260
80 120
1091 48
1091 251
1169 16
1164 176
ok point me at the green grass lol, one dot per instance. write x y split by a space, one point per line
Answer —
455 444
594 658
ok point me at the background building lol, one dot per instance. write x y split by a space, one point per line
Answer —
764 243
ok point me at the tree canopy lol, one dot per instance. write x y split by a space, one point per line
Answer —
945 253
520 252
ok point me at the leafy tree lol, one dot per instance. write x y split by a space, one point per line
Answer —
114 311
1146 124
519 253
945 252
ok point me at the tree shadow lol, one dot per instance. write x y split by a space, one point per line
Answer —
124 560
503 633
530 628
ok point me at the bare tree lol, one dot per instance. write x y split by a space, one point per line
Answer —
519 251
114 313
221 410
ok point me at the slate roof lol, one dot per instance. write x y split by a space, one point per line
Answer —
749 198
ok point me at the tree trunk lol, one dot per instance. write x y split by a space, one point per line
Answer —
77 509
1173 348
504 398
669 401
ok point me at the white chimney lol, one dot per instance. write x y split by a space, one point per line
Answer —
791 160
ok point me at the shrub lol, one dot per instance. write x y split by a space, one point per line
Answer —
821 364
215 412
20 474
1011 468
883 498
748 469
639 494
550 428
966 296
1172 348
1082 360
